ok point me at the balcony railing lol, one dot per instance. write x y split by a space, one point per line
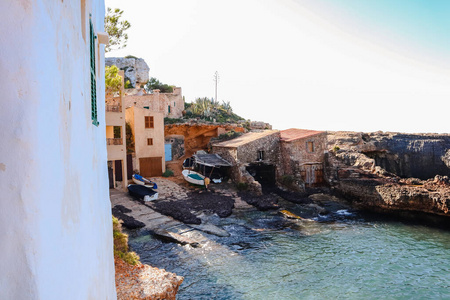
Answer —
113 108
118 141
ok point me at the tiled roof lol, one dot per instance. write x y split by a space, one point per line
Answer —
293 134
245 138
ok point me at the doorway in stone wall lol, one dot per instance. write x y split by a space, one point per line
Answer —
263 173
312 174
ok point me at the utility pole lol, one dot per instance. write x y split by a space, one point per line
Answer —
216 79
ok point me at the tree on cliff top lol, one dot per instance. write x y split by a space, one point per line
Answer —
113 81
155 84
116 29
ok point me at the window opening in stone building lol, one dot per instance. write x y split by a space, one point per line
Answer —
260 155
310 146
149 122
150 142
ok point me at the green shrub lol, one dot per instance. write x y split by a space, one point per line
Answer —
336 148
121 244
131 56
167 173
242 186
172 121
128 85
287 179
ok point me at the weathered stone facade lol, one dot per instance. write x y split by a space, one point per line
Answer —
252 148
170 104
302 155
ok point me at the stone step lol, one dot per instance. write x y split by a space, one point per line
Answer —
173 237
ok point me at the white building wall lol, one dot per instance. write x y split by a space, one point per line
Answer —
55 215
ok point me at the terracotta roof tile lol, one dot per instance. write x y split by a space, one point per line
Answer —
293 134
245 139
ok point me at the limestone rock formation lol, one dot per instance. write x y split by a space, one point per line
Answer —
406 155
136 69
391 171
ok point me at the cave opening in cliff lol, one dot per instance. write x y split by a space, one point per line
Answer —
263 173
407 165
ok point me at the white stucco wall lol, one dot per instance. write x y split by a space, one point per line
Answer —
55 217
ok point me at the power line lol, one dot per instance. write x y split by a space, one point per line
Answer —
216 79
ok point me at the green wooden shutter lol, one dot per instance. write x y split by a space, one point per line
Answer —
93 81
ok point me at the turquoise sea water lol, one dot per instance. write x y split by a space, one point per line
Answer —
340 256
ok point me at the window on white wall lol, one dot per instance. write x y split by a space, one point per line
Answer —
93 80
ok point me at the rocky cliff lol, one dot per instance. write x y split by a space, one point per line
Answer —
197 136
136 69
391 171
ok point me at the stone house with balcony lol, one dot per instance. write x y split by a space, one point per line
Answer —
147 129
302 155
255 158
118 171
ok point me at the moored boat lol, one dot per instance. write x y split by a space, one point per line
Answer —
142 192
193 177
138 179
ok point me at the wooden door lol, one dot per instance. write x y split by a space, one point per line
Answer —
118 170
312 174
110 175
129 166
150 166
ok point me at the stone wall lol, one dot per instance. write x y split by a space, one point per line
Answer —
248 153
270 145
296 153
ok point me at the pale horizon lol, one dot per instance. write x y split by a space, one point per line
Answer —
322 65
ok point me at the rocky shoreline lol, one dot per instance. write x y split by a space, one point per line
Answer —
374 171
353 172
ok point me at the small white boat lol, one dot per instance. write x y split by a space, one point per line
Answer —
138 179
193 177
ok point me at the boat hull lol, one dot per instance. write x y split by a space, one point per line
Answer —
142 192
193 177
144 181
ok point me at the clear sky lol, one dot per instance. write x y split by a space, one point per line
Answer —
361 65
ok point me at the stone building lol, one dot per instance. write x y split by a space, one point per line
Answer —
116 139
170 104
255 157
147 128
302 154
55 212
